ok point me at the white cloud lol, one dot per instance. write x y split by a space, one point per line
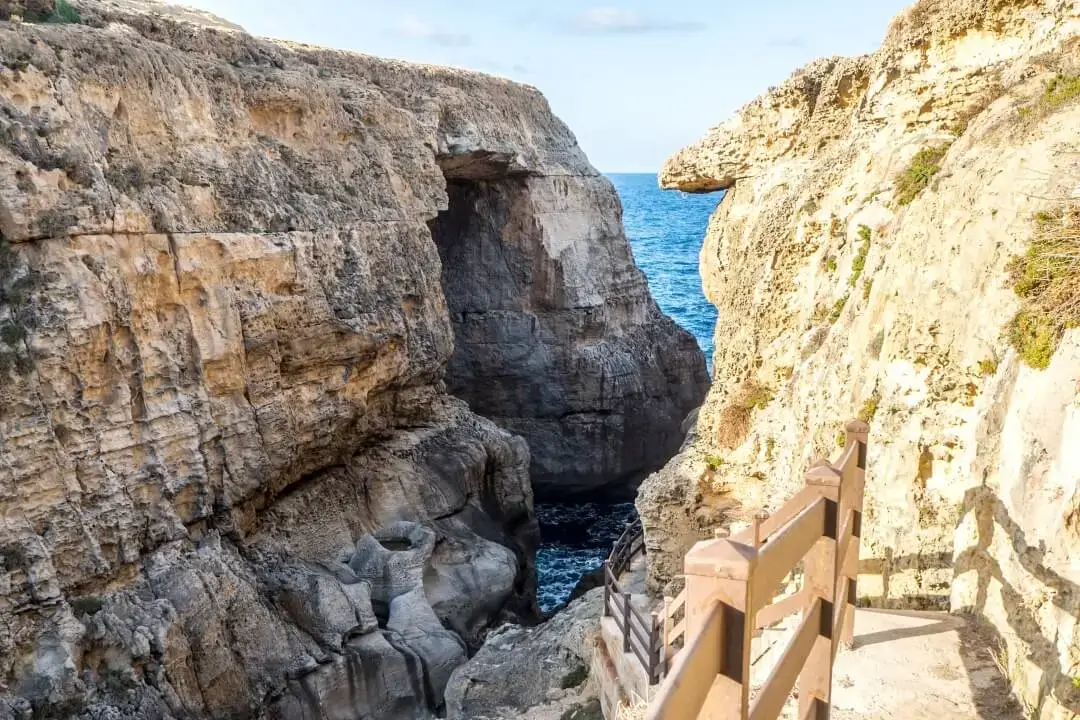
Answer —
416 29
611 20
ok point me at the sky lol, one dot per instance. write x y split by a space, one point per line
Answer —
634 80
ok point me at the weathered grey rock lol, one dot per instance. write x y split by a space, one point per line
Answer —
469 580
326 609
393 558
373 679
556 336
440 650
529 671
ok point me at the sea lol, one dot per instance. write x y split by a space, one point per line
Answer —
666 229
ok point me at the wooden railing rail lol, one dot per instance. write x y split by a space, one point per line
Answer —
673 619
730 588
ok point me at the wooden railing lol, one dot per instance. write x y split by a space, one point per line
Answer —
641 632
731 584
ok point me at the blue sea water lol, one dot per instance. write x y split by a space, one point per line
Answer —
666 229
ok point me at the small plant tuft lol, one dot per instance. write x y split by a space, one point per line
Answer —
770 448
734 421
867 286
1035 337
715 462
575 677
838 308
830 264
841 439
916 178
988 367
869 408
757 396
858 265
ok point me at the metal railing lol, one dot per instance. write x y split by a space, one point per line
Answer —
642 633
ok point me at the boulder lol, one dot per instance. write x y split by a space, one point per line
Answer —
523 670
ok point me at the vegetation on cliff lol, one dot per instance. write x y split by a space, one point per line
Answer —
1047 279
917 176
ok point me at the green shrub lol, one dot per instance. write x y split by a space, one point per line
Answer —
867 286
830 264
916 178
841 439
1047 280
869 408
770 448
1035 337
1061 89
575 677
715 462
988 367
62 14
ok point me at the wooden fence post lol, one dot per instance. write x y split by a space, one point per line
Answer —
669 623
626 622
719 571
854 483
821 571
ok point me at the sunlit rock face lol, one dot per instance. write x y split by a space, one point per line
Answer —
836 299
225 350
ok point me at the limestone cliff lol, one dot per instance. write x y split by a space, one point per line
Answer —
862 261
232 480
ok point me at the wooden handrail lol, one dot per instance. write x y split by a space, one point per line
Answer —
772 696
772 614
694 672
782 552
729 582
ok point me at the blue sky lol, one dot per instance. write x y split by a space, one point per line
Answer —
635 80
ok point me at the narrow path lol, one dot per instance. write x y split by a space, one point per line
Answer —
919 666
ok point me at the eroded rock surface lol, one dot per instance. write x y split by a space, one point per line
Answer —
531 310
539 673
230 363
836 299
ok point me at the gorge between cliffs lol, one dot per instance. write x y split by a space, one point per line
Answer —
302 335
298 346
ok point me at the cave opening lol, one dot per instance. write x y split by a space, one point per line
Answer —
511 320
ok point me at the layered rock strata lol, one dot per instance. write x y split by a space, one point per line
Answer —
225 337
862 265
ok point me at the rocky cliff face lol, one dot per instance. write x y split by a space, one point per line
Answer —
862 262
233 483
537 298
